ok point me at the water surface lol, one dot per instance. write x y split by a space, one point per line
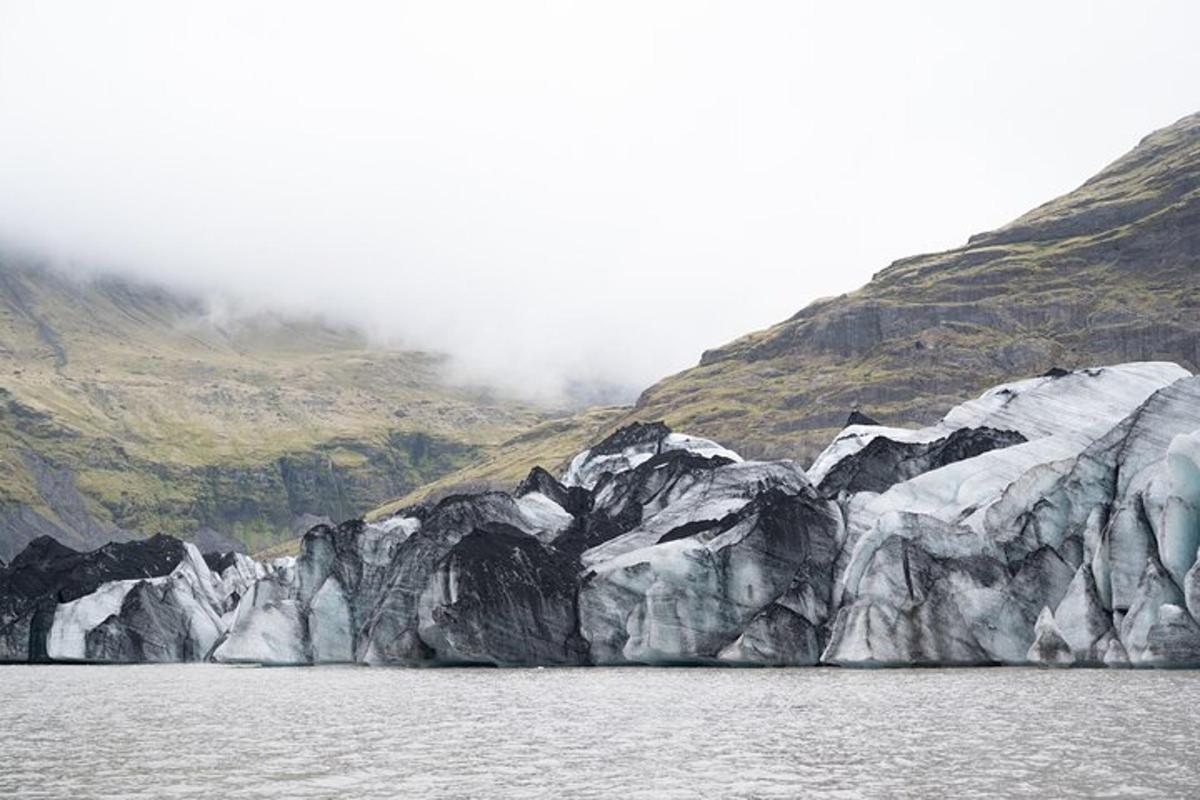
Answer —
183 731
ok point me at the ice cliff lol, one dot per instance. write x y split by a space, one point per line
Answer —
1054 520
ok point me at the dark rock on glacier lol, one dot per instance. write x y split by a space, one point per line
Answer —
776 636
858 418
687 599
575 500
150 600
47 573
49 567
393 629
676 494
148 627
631 446
634 436
178 616
501 597
494 579
219 562
885 462
621 502
354 591
340 574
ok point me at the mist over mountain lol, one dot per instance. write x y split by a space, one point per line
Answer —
1103 274
558 198
128 409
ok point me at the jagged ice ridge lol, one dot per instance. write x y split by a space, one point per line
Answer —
1053 521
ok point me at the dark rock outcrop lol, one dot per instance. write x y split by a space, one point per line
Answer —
500 597
149 600
885 462
575 500
148 628
47 573
634 436
687 599
858 418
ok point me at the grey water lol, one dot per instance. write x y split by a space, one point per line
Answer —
182 731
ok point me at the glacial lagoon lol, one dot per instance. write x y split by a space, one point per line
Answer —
213 731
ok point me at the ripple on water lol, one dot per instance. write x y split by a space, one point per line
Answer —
183 731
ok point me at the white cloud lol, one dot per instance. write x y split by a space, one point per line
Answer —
559 190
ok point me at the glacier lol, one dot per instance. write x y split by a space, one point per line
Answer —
1051 521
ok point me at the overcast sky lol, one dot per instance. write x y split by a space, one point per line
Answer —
554 190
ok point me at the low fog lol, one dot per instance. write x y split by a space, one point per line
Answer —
557 193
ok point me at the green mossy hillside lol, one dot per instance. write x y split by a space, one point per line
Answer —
128 410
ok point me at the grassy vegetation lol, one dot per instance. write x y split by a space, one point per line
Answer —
168 421
550 445
1107 273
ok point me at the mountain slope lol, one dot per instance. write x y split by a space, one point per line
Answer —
1107 273
127 410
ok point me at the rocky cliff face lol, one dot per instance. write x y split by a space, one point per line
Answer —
1106 274
1054 520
